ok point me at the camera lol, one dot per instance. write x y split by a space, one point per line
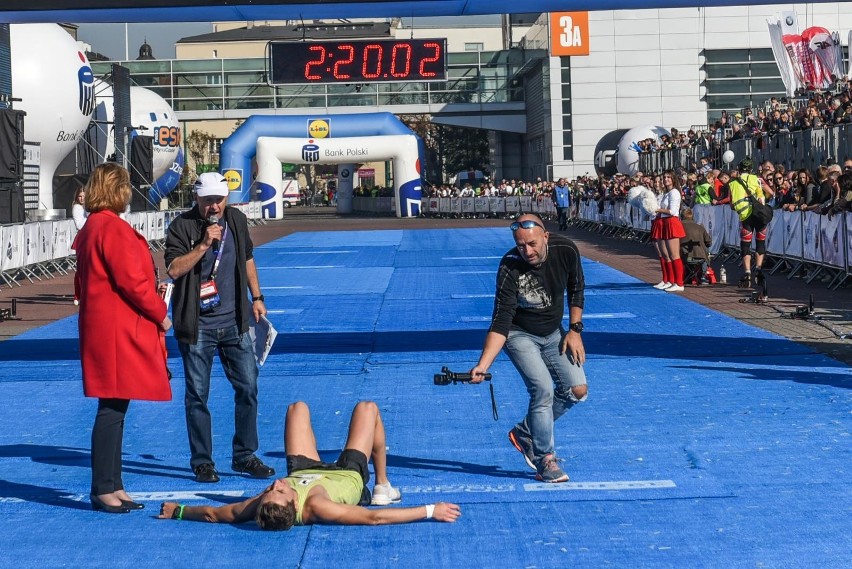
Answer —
446 377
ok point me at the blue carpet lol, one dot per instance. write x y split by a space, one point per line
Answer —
704 442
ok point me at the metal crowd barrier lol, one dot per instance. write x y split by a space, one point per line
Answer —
487 206
797 242
796 150
42 249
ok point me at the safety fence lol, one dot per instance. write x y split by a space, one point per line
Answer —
487 206
797 149
42 249
797 242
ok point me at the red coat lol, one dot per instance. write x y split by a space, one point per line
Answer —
120 312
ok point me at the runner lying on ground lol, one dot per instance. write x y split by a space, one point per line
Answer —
320 493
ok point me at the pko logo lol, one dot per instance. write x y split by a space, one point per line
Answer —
319 128
310 153
87 86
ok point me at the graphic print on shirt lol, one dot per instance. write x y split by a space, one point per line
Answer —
306 479
531 293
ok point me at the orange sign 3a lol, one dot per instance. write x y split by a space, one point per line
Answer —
569 33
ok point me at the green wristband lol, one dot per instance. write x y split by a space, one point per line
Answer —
178 513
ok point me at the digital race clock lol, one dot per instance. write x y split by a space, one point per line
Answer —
360 61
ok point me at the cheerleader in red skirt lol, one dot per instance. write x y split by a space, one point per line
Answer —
667 231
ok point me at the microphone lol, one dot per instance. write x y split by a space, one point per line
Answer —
214 220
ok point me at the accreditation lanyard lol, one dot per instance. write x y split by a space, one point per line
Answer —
219 254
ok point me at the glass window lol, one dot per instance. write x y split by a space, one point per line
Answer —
474 46
767 86
727 86
729 71
726 55
765 70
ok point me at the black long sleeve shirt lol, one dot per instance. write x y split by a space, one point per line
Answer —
533 298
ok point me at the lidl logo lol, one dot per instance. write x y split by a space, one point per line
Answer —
234 179
319 128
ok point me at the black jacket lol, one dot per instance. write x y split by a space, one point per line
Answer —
185 232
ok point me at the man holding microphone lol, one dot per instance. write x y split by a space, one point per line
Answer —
527 321
209 254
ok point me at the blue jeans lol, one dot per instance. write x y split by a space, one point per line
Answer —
236 354
549 377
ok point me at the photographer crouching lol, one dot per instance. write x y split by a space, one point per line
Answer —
527 321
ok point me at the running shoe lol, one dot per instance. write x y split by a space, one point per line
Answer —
385 494
524 445
549 471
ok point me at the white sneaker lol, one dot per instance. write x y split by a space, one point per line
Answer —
662 285
384 494
674 288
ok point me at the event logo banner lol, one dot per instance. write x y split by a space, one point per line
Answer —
569 33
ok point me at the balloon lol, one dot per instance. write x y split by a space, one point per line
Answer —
728 157
53 79
627 156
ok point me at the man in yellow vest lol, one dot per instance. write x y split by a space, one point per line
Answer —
741 185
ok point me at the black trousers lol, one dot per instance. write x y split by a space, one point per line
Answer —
107 436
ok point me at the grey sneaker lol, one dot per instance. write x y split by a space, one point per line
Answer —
549 471
524 445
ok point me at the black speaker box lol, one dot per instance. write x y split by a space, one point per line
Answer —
11 144
11 203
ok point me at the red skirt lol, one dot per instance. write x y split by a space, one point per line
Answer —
664 228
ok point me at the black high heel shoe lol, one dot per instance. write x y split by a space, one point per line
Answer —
131 505
99 506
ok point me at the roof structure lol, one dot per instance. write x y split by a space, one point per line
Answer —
22 11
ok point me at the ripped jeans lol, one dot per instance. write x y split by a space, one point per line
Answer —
549 377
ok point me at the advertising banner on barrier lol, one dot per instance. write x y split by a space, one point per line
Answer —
526 203
12 240
151 225
513 204
444 205
810 241
831 240
62 238
481 204
496 204
31 249
45 235
792 233
468 205
424 205
775 237
456 206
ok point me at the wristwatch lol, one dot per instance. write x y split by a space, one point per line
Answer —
256 298
576 327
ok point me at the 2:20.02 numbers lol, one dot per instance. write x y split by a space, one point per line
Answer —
358 61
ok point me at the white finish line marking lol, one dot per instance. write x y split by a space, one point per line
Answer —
471 273
606 315
286 311
285 287
468 258
491 295
614 485
306 267
311 252
207 496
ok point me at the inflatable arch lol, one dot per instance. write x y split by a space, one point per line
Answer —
338 139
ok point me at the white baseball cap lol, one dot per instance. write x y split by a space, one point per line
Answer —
211 184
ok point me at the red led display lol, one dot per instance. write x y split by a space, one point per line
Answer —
368 61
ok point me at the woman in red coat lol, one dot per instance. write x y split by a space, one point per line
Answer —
122 320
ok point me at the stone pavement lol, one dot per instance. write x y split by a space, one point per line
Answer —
44 301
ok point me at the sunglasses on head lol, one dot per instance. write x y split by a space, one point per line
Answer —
528 224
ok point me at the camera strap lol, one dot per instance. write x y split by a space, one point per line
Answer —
493 402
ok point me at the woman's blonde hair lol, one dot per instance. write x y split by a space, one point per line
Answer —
108 188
